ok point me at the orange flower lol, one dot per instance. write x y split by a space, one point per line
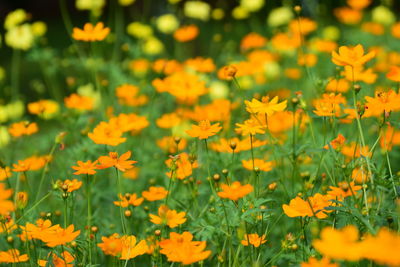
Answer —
260 164
394 74
6 206
324 262
166 66
168 217
336 143
359 4
185 87
106 134
155 193
181 248
354 150
265 106
128 199
314 206
78 102
87 167
128 95
396 30
286 41
308 60
111 245
12 255
66 260
253 239
218 110
383 102
324 46
235 144
339 244
360 175
373 28
344 190
8 226
60 236
44 108
382 248
252 40
389 138
200 64
170 144
168 121
302 25
131 249
139 66
122 163
5 173
204 129
351 56
91 33
42 229
348 15
235 191
70 185
21 200
329 105
129 122
358 73
33 163
338 85
132 173
19 129
186 33
183 166
293 73
228 72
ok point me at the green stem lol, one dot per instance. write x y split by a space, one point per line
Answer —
121 213
53 148
208 169
89 216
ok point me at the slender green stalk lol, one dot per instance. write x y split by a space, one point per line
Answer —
53 148
65 212
121 213
208 169
89 216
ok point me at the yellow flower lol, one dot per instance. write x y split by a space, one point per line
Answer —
20 37
279 16
240 13
252 5
95 6
15 18
167 23
152 46
197 10
126 2
39 28
139 30
265 106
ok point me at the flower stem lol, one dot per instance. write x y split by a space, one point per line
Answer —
89 216
120 207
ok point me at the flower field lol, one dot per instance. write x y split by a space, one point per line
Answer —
201 133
